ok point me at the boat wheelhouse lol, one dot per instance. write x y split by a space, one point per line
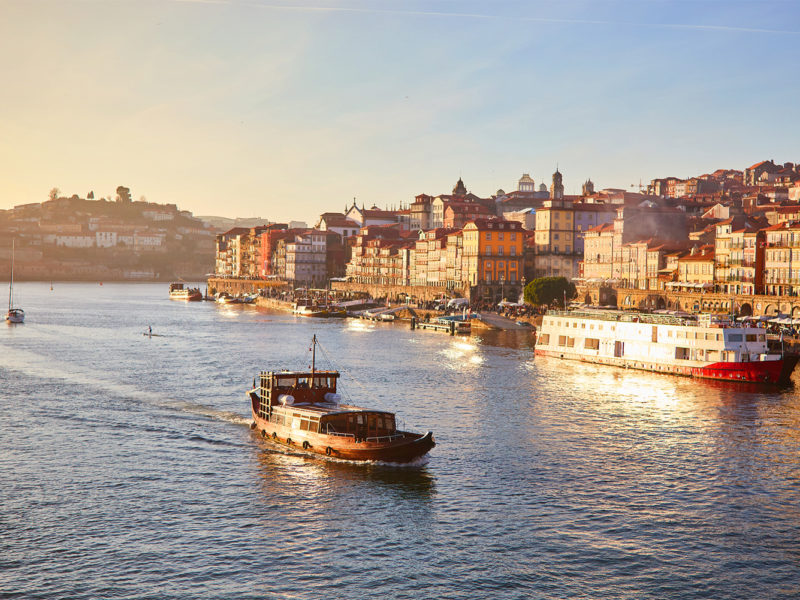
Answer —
302 409
705 346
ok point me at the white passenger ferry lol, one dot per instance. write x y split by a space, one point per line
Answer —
704 346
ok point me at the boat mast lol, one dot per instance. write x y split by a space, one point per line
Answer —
11 282
313 358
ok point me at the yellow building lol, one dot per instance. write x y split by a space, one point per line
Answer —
493 256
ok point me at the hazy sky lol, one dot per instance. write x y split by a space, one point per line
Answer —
283 110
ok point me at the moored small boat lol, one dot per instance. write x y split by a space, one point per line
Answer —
177 291
302 410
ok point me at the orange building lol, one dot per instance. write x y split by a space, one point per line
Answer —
493 256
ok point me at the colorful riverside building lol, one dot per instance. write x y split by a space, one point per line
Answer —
493 253
782 259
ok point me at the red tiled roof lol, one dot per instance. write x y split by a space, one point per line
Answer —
601 228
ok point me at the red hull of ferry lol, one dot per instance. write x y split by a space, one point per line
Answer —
771 371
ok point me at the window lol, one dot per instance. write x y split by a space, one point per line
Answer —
488 236
500 235
735 337
591 344
500 251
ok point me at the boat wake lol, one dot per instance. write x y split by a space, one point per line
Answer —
35 365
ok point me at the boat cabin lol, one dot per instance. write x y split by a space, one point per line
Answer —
307 401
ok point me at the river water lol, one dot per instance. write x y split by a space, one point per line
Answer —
128 470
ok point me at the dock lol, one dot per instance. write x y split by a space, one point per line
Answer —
451 326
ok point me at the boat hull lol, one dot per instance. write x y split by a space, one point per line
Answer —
15 316
404 448
187 296
774 372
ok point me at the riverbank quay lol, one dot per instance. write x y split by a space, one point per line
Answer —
274 303
690 301
240 287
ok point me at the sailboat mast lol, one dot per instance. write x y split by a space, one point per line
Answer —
11 282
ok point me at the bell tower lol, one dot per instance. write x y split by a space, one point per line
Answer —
557 189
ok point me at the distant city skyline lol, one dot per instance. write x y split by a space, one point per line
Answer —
250 108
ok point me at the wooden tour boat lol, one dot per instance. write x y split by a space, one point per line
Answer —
302 410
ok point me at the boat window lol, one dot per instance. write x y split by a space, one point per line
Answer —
562 340
544 339
751 337
592 343
583 325
718 337
285 381
570 342
735 337
591 326
761 337
682 353
669 333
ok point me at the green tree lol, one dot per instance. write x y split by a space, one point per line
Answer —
545 290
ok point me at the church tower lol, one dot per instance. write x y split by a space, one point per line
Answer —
460 189
557 189
588 188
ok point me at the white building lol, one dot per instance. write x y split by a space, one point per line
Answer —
105 239
306 258
75 241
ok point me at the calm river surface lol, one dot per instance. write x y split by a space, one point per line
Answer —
128 470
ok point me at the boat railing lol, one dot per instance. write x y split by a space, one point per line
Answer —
385 438
344 435
647 318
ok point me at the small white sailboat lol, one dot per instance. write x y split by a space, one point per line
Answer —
14 315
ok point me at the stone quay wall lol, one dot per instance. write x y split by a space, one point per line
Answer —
397 293
237 287
693 302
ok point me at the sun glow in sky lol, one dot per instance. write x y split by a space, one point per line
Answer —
287 109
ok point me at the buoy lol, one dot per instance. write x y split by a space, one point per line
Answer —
306 445
328 450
